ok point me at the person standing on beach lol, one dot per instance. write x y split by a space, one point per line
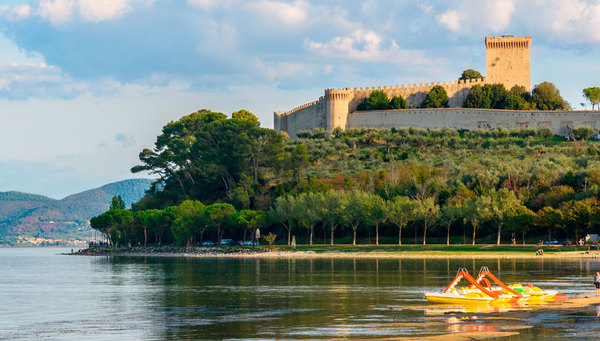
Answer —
597 283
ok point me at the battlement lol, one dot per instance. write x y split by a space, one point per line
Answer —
508 42
418 85
303 106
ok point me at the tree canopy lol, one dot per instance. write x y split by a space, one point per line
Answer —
592 94
379 100
546 96
205 156
436 98
470 74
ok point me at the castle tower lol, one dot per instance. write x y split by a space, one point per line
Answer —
337 104
507 61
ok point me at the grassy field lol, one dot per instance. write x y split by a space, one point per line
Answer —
412 248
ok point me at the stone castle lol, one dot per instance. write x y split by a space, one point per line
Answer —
507 62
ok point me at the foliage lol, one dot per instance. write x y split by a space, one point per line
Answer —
437 97
582 133
345 185
117 203
270 238
378 100
547 97
470 74
592 94
205 156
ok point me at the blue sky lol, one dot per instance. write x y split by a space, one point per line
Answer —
86 84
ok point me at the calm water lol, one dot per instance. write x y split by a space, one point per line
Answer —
49 296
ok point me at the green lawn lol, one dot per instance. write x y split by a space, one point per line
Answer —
435 247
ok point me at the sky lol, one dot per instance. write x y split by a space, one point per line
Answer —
85 85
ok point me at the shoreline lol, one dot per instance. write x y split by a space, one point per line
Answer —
212 252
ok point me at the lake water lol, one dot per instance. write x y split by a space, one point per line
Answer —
49 296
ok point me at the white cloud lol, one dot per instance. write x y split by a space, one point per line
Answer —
578 22
24 80
204 4
14 13
56 11
99 10
289 14
451 19
62 11
366 46
470 15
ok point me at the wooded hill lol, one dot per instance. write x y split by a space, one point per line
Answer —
32 215
443 184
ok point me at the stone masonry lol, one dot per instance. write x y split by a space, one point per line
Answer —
507 62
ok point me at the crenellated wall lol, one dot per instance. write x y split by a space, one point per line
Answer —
508 63
560 122
332 109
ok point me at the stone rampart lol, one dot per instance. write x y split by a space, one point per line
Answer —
305 117
560 122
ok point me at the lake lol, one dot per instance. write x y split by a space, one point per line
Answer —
45 295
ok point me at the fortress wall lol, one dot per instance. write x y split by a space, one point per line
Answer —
414 94
560 122
305 117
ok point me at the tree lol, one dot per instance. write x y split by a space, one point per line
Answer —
520 219
149 219
449 213
547 97
250 220
332 210
577 214
298 160
377 100
473 212
582 133
592 94
400 212
427 211
470 74
282 212
545 133
498 96
270 238
307 212
398 102
246 116
355 214
549 219
436 98
190 219
204 156
376 213
501 204
478 97
117 203
218 215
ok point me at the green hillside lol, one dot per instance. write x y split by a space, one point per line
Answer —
36 216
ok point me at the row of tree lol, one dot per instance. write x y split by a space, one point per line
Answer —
184 224
187 223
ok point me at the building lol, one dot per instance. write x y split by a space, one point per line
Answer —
507 62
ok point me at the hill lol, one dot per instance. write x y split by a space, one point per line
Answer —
40 219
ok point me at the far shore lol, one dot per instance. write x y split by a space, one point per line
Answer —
340 252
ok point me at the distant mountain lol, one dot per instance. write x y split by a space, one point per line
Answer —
39 218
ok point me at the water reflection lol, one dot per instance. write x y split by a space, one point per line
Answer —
329 298
178 298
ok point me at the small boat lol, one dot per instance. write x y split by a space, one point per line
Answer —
481 291
476 293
